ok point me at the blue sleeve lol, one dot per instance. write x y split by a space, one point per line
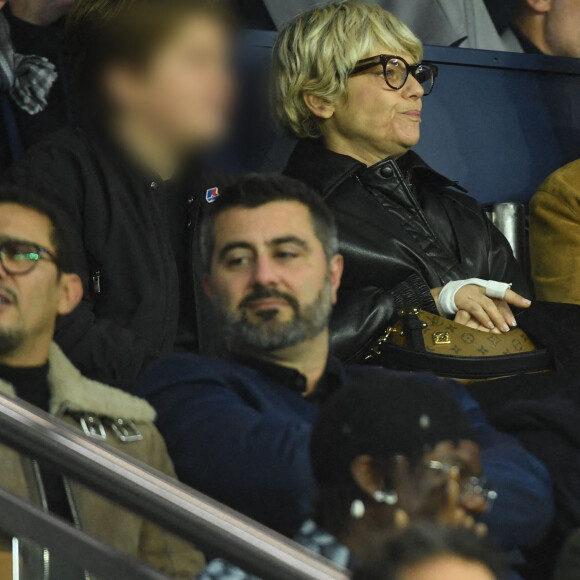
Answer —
524 509
226 449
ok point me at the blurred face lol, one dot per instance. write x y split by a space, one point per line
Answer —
562 26
447 568
465 461
434 491
185 94
270 280
41 13
30 303
373 121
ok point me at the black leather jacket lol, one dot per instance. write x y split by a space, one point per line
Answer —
404 229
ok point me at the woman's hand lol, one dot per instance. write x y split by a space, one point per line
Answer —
478 311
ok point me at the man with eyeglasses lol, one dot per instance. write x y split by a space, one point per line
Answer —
349 82
36 287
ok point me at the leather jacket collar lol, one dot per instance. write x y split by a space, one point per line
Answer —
326 170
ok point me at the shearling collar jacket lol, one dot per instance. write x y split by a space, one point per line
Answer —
404 229
72 393
97 410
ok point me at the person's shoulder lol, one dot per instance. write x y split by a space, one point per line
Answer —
324 170
61 159
565 182
362 372
73 140
460 202
570 171
446 187
461 199
449 387
81 395
187 370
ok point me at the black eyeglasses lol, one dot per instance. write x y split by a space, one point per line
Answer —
20 257
397 70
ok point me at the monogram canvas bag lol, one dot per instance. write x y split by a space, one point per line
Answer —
421 341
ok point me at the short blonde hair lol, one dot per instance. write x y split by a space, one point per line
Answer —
316 52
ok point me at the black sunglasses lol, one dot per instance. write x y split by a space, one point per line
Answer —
397 70
20 257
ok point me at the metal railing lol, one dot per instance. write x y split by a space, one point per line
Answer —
177 508
25 520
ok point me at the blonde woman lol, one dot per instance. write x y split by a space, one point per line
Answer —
349 84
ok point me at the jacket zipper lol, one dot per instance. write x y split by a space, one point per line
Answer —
411 192
96 279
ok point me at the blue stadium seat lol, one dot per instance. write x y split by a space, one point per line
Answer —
499 123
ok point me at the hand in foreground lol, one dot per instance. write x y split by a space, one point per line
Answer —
457 515
478 311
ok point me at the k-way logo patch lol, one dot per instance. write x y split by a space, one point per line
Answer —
212 194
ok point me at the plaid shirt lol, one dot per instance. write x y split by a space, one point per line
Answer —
26 78
310 536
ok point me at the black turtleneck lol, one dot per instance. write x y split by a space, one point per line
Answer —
31 385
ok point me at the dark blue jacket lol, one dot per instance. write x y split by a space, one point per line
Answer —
242 437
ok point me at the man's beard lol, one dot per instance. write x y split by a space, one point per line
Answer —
269 335
10 341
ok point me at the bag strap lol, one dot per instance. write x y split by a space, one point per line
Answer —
413 330
473 368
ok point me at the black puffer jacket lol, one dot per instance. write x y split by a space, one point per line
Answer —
404 229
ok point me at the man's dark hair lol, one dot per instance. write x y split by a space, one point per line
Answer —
382 416
421 543
101 33
256 190
60 235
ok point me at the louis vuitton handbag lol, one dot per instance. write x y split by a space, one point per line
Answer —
425 342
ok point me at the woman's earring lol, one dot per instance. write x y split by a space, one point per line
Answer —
386 497
357 509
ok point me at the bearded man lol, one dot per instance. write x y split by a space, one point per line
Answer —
238 427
